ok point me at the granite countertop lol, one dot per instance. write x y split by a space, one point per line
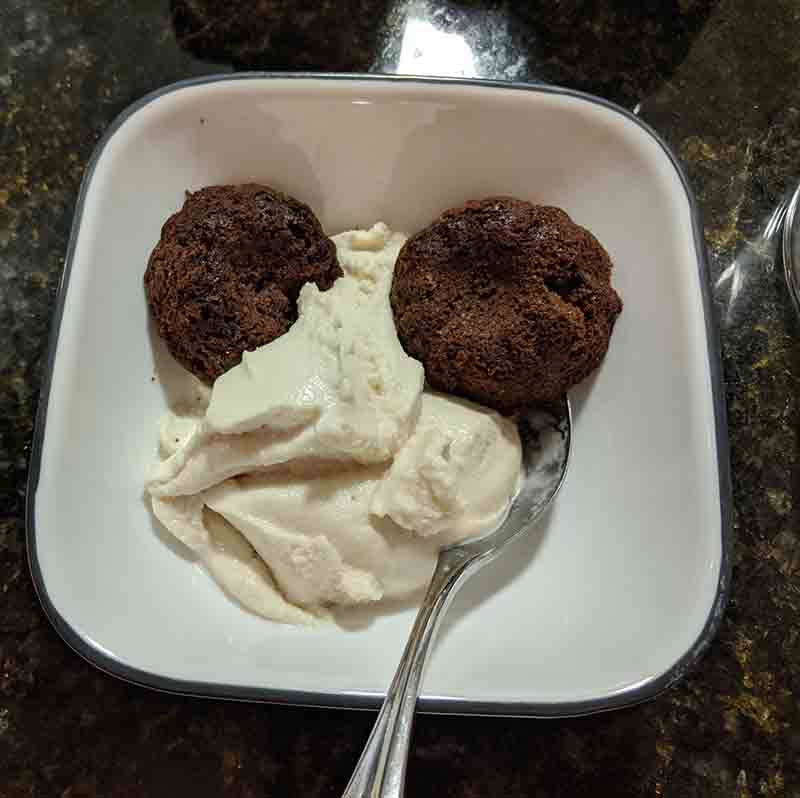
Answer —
720 80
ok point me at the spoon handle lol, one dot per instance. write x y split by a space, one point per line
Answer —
381 770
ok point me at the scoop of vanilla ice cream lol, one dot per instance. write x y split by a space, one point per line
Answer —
335 535
456 473
321 542
346 537
337 385
321 474
340 365
228 557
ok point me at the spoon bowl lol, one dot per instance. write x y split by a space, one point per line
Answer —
546 437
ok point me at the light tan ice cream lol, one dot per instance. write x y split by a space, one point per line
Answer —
321 473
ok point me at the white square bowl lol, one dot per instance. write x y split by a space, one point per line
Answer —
621 588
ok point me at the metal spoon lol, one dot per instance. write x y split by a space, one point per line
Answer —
546 439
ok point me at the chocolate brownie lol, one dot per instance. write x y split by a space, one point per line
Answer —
225 276
504 302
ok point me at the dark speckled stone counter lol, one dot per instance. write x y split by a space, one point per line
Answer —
720 80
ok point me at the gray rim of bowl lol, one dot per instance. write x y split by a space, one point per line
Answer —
627 696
